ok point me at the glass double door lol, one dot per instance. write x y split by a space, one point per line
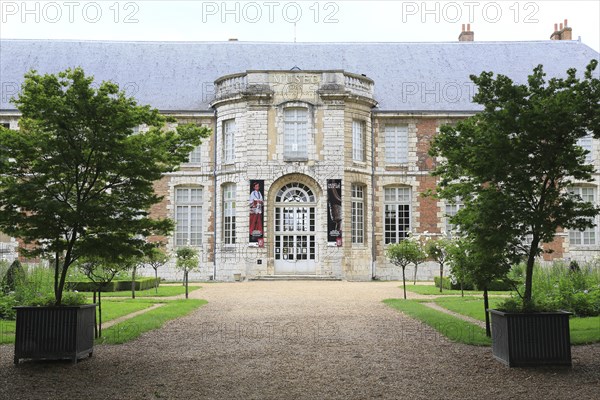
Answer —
295 250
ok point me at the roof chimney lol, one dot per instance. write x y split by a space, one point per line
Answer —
467 35
562 32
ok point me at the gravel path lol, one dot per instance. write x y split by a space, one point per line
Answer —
296 340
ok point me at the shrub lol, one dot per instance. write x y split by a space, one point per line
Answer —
112 286
14 277
7 302
562 286
446 282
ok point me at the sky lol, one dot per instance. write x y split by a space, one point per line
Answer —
302 21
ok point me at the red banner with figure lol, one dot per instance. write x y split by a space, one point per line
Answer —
256 203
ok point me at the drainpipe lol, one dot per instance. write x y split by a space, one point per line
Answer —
373 244
215 197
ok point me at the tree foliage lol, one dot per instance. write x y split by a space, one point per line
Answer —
187 261
408 251
156 257
76 180
513 163
437 250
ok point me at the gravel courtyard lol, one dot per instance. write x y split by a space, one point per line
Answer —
296 340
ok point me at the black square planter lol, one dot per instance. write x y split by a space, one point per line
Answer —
54 333
531 339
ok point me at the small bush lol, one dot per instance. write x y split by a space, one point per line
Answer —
7 302
15 276
561 286
446 282
452 284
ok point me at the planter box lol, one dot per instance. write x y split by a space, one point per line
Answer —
54 333
531 339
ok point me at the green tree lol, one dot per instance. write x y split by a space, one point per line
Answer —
76 180
437 250
156 257
401 254
187 260
101 272
513 163
419 258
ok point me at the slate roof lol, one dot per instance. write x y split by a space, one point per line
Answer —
179 76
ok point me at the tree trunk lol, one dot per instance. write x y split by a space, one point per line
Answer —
56 268
415 276
133 282
486 305
529 271
441 276
95 319
186 284
156 280
100 313
404 282
462 291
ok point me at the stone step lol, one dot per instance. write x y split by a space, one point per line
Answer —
295 278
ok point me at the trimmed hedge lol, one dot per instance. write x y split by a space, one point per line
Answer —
496 285
449 285
113 286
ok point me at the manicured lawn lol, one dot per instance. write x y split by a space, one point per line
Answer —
112 309
7 331
163 291
583 330
131 328
469 306
134 327
432 290
453 328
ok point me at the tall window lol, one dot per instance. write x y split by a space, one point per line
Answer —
188 216
229 214
295 132
451 210
358 141
196 155
587 236
396 144
397 214
229 141
587 143
358 214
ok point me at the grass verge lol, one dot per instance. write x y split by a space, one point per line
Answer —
7 331
469 306
128 329
132 328
432 290
453 328
583 330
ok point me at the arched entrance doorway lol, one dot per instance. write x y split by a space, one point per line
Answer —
295 247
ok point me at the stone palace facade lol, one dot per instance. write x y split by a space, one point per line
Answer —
318 156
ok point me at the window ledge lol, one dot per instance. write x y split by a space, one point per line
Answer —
295 159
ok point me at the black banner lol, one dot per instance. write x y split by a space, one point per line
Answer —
256 204
334 211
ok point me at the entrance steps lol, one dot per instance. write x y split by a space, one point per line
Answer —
295 278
